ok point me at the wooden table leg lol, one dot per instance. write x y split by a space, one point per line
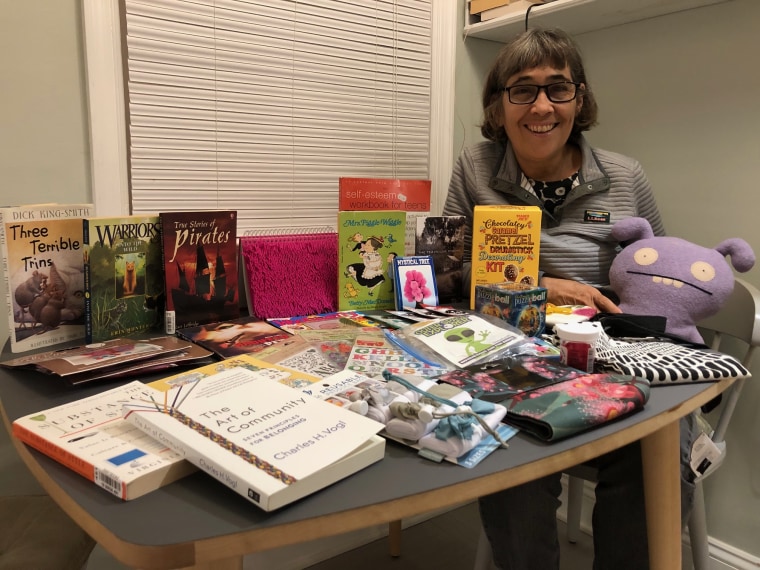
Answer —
394 538
662 490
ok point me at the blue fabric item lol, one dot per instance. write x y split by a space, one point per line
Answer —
460 425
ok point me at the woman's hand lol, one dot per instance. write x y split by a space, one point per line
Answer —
569 292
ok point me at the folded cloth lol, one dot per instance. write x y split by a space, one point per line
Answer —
665 362
560 410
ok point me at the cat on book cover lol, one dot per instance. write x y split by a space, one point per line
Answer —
125 278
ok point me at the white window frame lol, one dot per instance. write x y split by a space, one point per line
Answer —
106 104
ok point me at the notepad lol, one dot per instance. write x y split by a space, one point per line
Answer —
290 272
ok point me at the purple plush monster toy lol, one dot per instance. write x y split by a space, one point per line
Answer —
674 278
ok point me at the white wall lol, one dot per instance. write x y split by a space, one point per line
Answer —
44 149
680 94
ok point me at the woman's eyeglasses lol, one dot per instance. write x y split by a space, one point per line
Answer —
524 94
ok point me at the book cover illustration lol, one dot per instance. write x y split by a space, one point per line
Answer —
200 259
408 195
42 251
505 246
244 335
268 442
290 272
414 282
368 241
123 275
90 437
442 238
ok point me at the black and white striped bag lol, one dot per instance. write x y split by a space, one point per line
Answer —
665 362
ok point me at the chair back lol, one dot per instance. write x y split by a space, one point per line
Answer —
738 318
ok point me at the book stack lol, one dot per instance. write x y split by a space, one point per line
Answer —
377 222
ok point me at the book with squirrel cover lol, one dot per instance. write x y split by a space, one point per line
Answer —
123 276
90 437
408 195
270 443
200 260
505 246
368 241
43 269
414 282
442 238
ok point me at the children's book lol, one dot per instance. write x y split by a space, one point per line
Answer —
291 271
505 246
123 276
457 341
200 259
90 437
414 281
244 335
367 243
43 267
442 238
408 195
270 443
116 358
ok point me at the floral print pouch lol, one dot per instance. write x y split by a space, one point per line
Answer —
564 409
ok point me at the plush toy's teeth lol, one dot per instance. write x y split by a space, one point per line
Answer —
667 281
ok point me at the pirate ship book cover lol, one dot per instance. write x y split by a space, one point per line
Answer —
200 260
123 276
42 259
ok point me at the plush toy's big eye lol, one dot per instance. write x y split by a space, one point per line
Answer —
703 271
646 256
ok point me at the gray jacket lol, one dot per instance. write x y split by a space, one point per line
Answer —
575 241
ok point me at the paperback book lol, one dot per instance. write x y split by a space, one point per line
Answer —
90 437
320 321
368 241
123 276
200 260
442 238
116 358
414 282
408 195
43 268
244 335
269 443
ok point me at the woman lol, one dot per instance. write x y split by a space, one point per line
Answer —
537 102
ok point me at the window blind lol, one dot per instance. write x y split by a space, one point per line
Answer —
260 106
